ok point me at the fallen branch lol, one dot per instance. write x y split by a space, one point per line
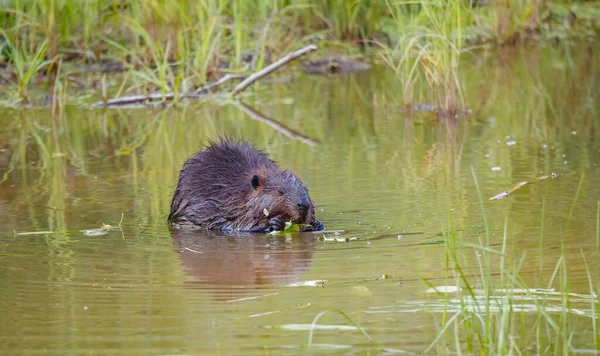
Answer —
206 88
247 81
521 184
272 67
135 99
255 115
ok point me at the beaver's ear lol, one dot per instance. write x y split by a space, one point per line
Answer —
254 182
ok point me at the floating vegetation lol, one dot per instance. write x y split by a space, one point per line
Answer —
95 232
290 227
28 233
520 185
337 239
105 229
311 283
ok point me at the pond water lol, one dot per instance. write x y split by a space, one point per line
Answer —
397 182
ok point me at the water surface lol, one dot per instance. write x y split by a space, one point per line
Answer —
395 181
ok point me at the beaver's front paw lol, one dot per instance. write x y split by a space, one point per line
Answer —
277 224
315 226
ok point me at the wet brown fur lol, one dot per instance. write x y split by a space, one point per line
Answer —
215 191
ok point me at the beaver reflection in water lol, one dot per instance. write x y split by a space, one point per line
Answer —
232 186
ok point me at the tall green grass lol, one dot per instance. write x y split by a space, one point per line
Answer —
497 313
25 65
428 49
421 40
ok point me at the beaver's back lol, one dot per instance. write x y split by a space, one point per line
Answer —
213 179
232 186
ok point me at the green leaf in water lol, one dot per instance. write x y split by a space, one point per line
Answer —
290 227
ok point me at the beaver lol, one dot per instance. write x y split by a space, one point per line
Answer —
232 186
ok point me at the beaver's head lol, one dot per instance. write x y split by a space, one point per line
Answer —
280 193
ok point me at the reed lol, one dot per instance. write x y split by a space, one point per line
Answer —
25 65
496 319
428 50
421 40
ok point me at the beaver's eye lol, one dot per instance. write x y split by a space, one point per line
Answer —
254 182
281 192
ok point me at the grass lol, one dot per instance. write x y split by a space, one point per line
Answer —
178 45
25 65
428 50
507 316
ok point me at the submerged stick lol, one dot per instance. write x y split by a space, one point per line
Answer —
272 67
255 115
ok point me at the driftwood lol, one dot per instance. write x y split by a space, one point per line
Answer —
202 91
255 115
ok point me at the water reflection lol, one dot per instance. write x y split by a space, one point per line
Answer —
242 262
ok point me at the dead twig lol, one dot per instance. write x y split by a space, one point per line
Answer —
522 184
246 81
203 90
272 67
135 99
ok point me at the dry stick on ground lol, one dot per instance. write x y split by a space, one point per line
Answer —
255 115
135 99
